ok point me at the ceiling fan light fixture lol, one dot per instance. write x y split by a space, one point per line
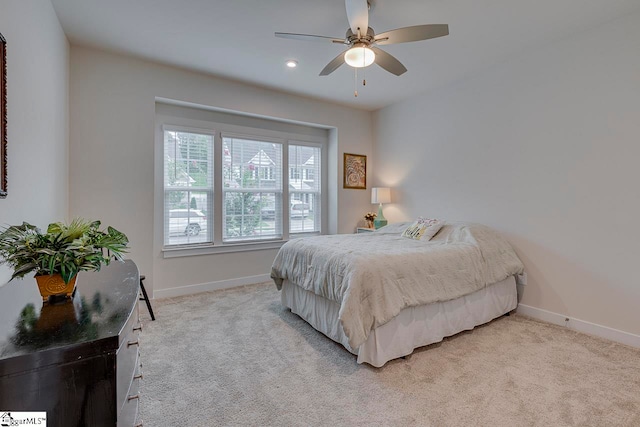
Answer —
359 56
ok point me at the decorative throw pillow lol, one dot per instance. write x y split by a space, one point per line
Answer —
423 229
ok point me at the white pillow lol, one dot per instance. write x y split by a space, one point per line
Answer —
423 229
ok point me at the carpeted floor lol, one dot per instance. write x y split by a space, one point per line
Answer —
237 357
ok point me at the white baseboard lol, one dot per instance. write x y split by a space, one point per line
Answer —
580 325
210 286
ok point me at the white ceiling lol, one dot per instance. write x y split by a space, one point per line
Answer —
234 38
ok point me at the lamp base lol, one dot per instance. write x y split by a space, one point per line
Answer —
380 220
377 223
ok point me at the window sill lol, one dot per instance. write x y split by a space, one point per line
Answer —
221 249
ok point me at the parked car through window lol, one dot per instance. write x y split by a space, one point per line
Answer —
189 222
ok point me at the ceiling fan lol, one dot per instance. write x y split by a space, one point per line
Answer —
363 41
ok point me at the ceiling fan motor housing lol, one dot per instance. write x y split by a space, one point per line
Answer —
368 38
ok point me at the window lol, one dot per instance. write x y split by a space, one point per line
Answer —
304 193
188 187
294 173
231 187
252 190
309 174
266 173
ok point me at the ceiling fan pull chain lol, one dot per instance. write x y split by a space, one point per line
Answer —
355 83
364 68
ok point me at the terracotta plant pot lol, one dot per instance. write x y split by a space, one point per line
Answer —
54 285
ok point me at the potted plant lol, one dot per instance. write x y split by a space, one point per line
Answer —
59 254
369 217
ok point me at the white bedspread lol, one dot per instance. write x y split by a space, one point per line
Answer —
373 276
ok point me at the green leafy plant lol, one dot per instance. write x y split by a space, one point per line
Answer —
243 209
65 248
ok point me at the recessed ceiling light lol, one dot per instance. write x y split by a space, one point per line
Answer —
292 63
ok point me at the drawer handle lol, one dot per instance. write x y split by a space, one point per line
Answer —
138 328
138 377
130 343
135 396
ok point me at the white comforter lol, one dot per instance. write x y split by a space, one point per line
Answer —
373 276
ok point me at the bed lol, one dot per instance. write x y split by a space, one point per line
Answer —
382 295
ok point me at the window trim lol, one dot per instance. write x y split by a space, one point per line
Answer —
176 252
218 129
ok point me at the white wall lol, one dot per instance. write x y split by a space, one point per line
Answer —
37 115
112 107
544 147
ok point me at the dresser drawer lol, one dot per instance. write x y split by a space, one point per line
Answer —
129 411
127 357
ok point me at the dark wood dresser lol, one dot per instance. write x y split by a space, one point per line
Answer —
77 359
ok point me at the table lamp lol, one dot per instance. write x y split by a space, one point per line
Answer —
380 195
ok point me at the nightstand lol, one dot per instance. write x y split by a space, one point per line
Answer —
364 230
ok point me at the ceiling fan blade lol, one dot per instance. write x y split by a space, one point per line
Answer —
333 65
412 34
388 62
358 15
309 37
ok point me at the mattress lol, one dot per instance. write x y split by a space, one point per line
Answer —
413 327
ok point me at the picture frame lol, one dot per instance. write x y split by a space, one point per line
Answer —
3 117
355 171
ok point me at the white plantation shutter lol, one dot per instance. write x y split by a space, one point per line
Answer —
305 178
188 187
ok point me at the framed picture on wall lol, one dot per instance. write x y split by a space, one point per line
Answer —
355 171
3 117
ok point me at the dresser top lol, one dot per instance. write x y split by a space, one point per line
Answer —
100 307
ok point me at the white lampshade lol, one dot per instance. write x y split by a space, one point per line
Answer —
359 56
380 195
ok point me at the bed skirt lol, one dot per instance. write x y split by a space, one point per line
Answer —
413 327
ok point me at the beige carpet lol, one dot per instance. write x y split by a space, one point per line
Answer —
236 357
